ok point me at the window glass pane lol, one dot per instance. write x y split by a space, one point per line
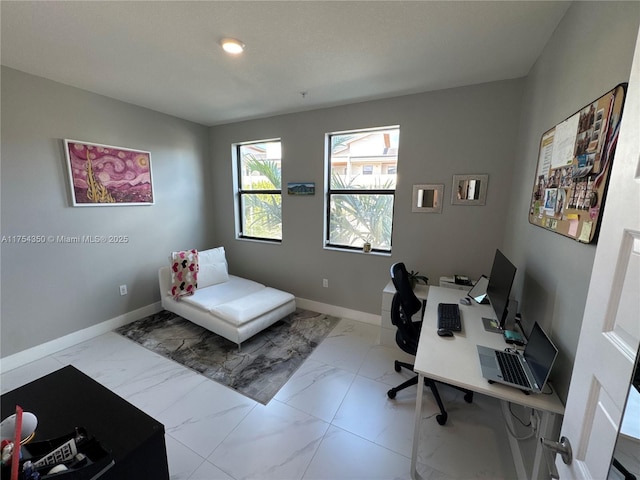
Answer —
364 160
262 215
260 165
359 218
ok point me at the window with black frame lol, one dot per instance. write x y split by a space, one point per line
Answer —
361 185
259 190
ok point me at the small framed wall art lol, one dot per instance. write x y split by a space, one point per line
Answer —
469 189
427 198
103 175
301 188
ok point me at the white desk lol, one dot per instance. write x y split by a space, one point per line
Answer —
462 366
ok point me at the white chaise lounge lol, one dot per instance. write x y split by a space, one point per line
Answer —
230 306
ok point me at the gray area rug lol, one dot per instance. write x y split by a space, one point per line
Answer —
264 365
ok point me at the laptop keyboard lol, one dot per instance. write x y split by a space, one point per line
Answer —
512 369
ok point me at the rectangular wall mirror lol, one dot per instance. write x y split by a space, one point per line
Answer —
427 198
469 189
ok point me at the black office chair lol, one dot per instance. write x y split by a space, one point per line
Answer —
404 305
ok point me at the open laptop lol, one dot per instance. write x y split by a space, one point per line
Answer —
534 365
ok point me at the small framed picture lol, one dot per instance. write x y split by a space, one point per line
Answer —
469 189
301 188
427 198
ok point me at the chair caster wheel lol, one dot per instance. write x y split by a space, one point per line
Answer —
397 366
468 397
391 394
442 418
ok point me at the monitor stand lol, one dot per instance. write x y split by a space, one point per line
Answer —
491 325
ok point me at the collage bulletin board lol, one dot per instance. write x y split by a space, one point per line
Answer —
574 162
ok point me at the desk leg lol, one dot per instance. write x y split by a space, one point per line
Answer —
546 430
416 432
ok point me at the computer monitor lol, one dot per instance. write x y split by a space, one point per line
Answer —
499 288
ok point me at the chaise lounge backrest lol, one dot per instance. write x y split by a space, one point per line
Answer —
213 269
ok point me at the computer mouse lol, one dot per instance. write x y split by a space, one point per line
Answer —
465 301
443 332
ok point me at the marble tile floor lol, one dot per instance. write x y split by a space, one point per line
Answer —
332 420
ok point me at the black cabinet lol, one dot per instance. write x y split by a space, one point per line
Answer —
67 398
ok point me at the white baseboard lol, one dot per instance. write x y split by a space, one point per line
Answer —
339 311
40 351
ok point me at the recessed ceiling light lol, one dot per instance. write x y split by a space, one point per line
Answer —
232 46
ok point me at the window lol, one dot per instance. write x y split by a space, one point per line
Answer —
259 190
361 184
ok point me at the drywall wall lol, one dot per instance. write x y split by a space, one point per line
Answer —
470 130
589 54
52 289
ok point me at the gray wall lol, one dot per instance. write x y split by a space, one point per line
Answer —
588 55
50 290
456 131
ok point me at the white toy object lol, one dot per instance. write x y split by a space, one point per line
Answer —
8 426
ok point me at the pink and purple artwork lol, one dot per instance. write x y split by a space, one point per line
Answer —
102 175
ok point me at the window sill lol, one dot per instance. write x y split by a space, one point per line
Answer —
359 252
259 240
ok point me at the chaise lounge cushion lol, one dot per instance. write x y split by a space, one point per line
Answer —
235 288
242 310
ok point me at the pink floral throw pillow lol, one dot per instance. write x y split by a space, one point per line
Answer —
184 273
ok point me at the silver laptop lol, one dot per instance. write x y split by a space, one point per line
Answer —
529 371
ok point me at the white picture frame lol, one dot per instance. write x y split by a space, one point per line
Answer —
108 176
427 198
469 189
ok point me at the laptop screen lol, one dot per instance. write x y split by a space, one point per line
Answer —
540 354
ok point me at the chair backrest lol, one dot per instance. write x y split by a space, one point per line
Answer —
400 278
404 305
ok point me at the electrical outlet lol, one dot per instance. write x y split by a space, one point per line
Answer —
325 283
123 290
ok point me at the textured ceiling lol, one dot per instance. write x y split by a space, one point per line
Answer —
165 55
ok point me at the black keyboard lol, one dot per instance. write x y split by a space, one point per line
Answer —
512 369
449 317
